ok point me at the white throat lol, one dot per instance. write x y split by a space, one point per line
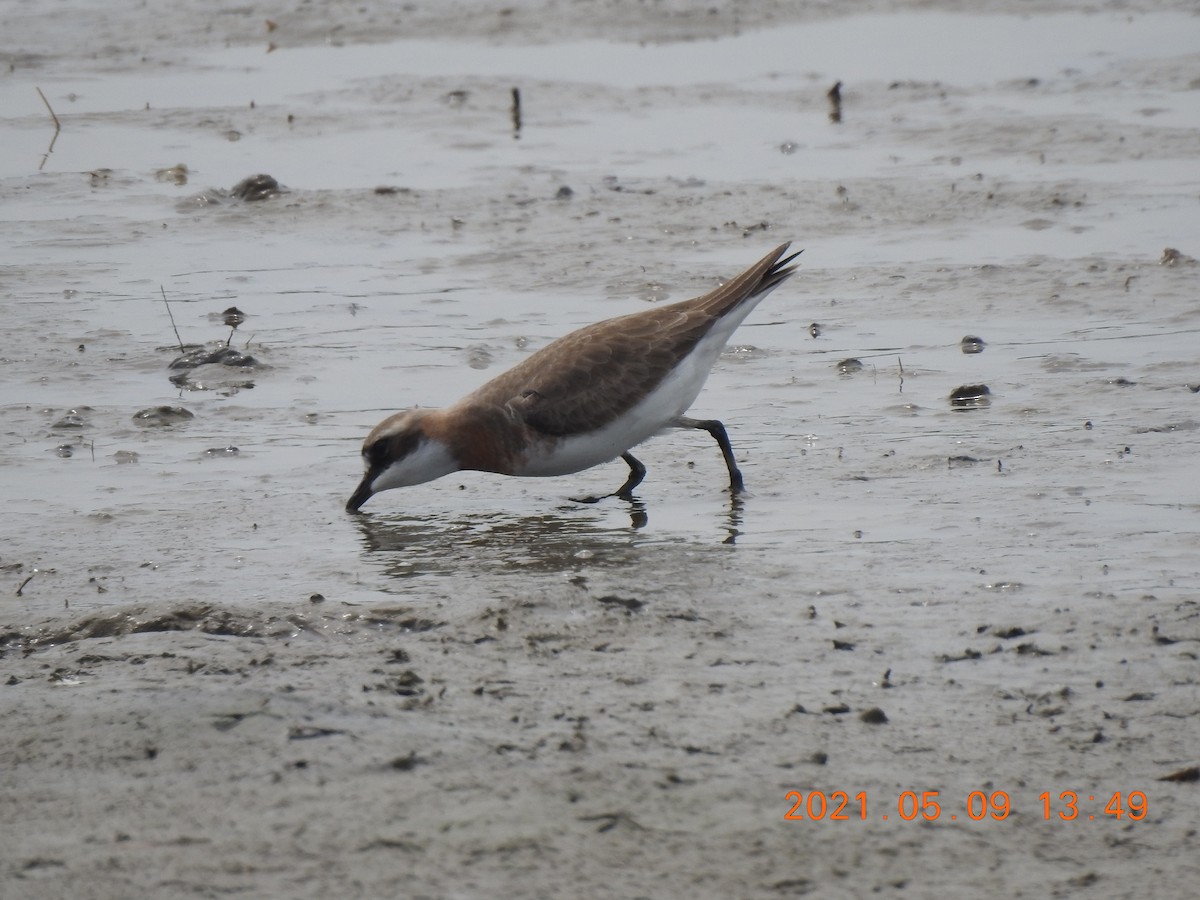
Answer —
429 461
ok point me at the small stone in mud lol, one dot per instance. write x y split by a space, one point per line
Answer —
874 716
177 174
222 355
629 604
1192 773
1031 649
961 460
564 193
834 94
215 452
233 317
814 330
849 366
1172 257
64 451
1009 633
72 419
406 763
125 457
971 395
311 732
161 416
972 344
256 187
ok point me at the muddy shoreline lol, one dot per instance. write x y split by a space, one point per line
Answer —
215 681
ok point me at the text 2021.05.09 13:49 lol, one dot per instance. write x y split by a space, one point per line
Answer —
1066 806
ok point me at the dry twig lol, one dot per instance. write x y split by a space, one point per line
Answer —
57 128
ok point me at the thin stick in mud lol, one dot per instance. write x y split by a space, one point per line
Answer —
172 315
57 128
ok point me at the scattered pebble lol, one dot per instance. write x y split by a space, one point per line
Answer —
962 460
1192 773
71 419
161 416
177 174
970 395
257 187
834 94
1172 257
972 344
221 354
629 604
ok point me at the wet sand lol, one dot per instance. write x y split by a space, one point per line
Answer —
215 681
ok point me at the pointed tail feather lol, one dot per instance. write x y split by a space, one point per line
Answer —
762 277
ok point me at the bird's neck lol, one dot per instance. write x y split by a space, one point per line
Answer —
483 437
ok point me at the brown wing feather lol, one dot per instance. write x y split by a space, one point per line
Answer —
632 353
553 393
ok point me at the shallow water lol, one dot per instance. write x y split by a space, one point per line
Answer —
359 303
1011 177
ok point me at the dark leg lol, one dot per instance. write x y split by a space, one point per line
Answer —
636 473
717 430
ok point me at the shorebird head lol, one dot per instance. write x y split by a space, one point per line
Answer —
400 451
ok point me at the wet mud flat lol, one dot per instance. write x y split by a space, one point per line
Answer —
966 562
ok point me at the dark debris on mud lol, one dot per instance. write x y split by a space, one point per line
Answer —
205 618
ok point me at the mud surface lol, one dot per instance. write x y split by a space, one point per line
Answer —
215 682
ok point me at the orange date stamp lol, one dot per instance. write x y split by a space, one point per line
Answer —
976 806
